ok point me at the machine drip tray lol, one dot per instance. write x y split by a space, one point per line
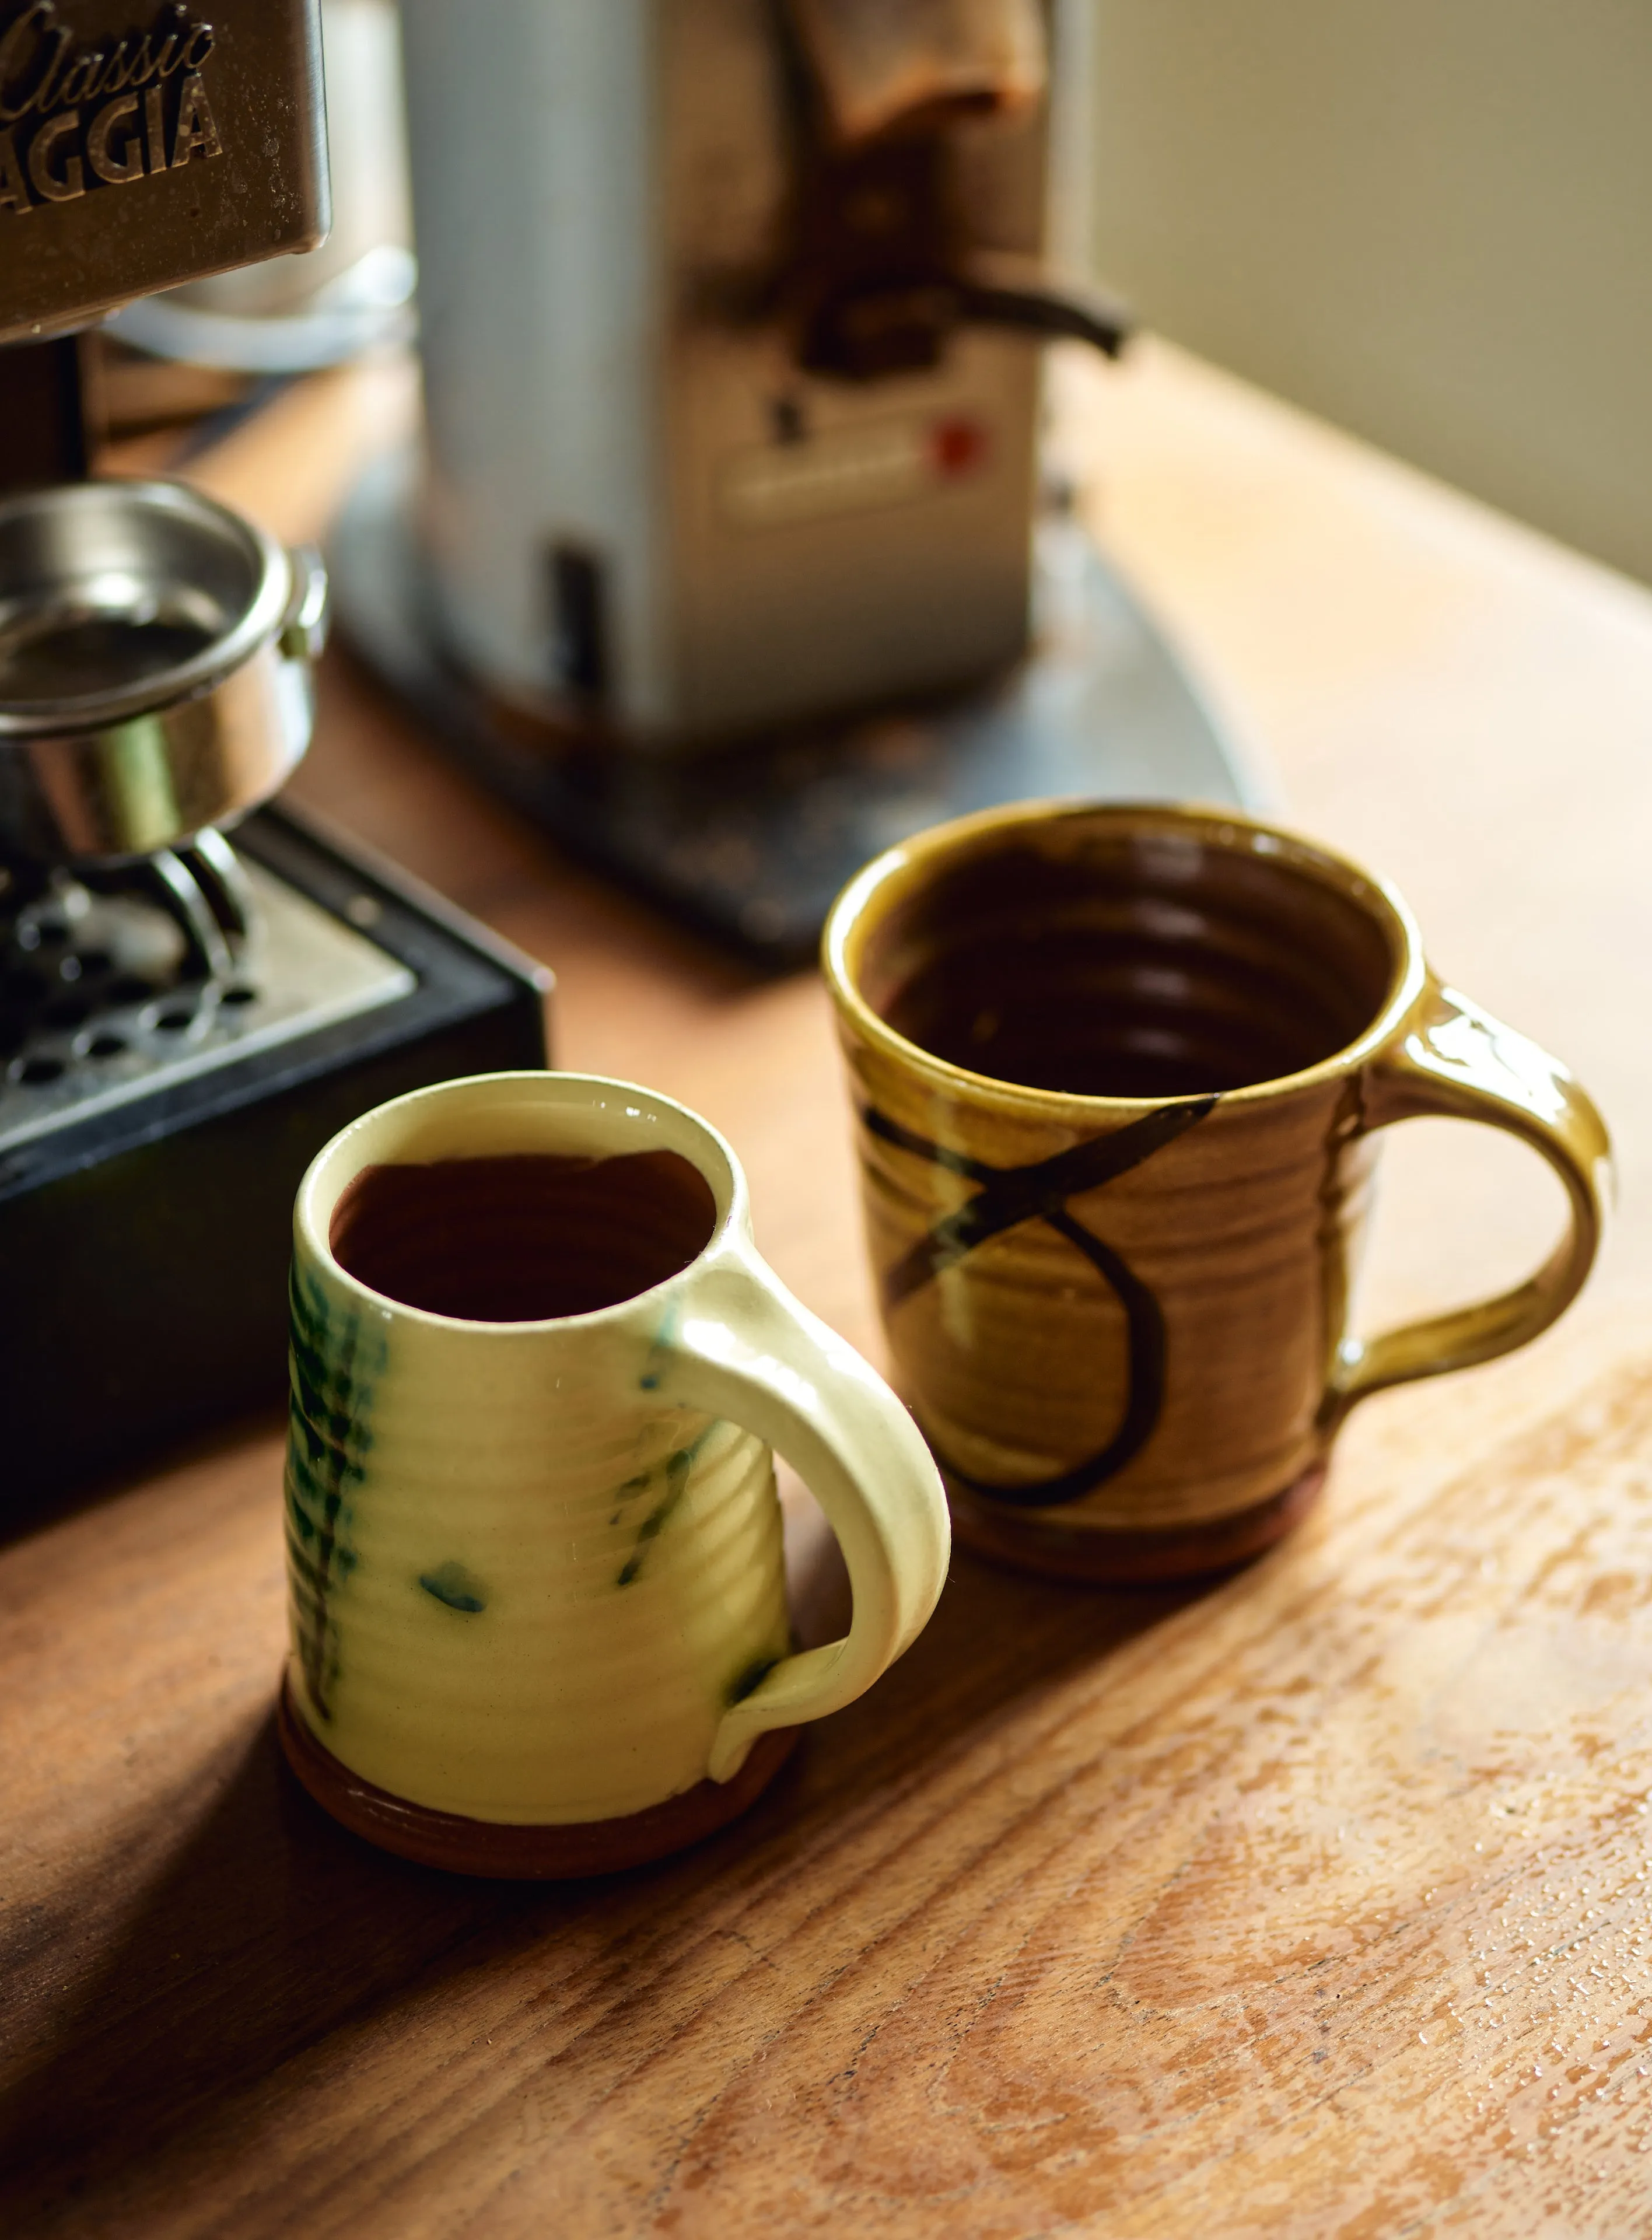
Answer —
752 844
122 1018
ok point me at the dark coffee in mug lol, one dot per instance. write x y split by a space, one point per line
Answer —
525 1238
1138 971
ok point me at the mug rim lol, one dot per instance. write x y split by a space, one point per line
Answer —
865 902
312 1217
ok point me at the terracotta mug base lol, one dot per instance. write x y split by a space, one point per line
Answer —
508 1853
1100 1557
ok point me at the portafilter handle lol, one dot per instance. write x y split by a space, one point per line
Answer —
861 333
303 635
1058 309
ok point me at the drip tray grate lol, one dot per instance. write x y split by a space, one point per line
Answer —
103 998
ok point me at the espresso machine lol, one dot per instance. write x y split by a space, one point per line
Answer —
727 550
196 987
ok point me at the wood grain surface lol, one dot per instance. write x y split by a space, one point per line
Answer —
1313 1902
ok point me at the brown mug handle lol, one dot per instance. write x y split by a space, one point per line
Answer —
1453 1059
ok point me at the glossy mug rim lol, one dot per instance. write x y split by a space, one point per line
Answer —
866 902
338 1164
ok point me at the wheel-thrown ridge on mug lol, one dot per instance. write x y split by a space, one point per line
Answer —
468 1618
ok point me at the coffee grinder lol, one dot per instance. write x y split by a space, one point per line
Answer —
725 550
183 1019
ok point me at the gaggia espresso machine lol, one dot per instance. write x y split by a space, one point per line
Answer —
727 550
196 987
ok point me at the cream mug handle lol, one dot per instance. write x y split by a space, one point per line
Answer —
1455 1060
741 1347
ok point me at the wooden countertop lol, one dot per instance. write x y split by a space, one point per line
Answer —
1314 1903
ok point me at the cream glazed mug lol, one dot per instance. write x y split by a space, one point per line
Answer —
538 1601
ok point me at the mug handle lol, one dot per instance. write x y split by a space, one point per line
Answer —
741 1347
1456 1060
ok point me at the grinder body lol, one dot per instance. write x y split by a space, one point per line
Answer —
669 493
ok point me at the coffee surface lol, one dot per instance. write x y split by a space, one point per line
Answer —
527 1237
93 653
1103 975
1093 1018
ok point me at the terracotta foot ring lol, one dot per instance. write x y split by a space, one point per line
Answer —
1131 1558
562 1853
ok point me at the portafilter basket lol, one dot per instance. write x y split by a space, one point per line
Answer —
155 668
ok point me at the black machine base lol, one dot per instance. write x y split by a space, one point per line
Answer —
143 1287
753 844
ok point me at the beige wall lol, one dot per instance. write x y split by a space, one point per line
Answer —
1430 220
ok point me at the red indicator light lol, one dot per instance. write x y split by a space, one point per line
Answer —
957 446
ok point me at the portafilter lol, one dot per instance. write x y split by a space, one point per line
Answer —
155 668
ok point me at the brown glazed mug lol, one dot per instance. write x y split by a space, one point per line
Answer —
1119 1073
